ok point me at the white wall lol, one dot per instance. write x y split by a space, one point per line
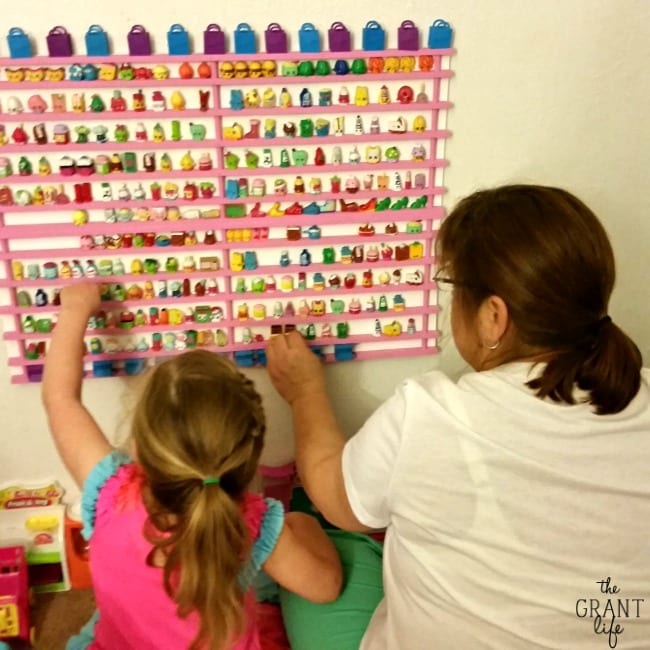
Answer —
553 91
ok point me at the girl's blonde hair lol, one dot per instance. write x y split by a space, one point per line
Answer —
199 417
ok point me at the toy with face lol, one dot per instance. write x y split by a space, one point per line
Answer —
419 124
241 70
418 153
107 72
373 154
269 69
90 72
36 104
425 62
126 72
289 69
160 72
254 69
197 131
143 73
361 96
34 74
227 70
407 63
55 74
391 64
252 99
15 75
75 72
376 64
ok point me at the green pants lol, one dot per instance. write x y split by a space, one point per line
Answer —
339 625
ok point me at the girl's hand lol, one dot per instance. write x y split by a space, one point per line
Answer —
294 369
82 298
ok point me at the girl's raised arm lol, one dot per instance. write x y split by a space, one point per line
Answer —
79 440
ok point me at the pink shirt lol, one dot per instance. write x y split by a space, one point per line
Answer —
135 613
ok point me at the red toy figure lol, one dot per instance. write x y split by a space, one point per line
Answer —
19 135
118 103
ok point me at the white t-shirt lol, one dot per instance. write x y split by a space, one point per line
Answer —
503 513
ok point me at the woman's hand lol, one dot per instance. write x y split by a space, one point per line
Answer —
294 369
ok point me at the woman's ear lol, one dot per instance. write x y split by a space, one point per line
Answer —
493 319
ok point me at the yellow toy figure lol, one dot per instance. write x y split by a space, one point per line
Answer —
177 101
78 103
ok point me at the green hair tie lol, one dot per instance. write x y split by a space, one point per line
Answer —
211 480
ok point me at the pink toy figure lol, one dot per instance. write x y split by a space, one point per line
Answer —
36 104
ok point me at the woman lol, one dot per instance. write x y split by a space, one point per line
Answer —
516 501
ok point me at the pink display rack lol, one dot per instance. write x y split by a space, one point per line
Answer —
259 247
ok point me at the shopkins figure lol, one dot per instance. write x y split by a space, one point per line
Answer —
107 72
185 70
391 64
24 167
78 103
376 64
90 72
252 99
40 134
204 100
143 73
19 135
75 72
422 97
419 124
204 71
234 132
405 95
197 131
231 160
176 130
269 99
269 69
44 167
398 125
55 74
140 132
139 103
36 104
358 125
126 72
97 104
241 70
157 133
177 101
205 162
269 128
14 106
187 162
361 96
121 133
418 153
227 70
425 62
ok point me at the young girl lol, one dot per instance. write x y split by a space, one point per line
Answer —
175 537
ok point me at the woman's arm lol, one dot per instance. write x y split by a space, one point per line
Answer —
78 438
297 375
305 561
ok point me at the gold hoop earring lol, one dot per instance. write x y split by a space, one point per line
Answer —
492 347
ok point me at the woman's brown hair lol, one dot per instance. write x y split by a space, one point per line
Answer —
198 418
546 254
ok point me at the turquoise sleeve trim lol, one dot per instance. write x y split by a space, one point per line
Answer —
96 480
269 532
266 540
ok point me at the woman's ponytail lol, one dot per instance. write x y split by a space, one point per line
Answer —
606 364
